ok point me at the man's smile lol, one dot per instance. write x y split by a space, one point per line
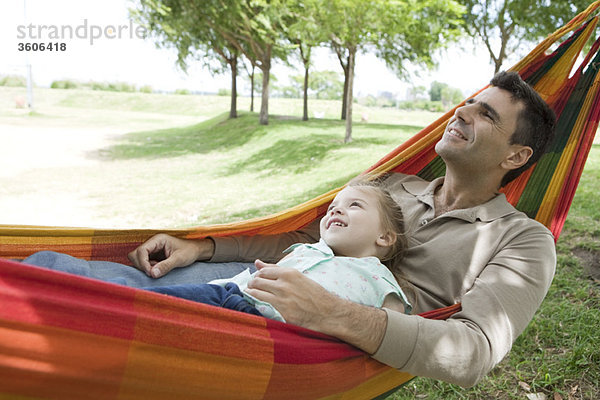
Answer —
456 133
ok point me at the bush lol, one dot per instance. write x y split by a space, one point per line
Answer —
13 81
121 87
64 84
182 91
146 89
112 86
433 106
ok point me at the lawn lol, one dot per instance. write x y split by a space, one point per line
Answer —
102 159
149 166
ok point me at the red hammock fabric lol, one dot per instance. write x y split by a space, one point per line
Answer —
69 337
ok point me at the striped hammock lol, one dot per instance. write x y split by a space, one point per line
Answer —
69 337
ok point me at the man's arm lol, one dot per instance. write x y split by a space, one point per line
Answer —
304 302
495 311
268 248
460 350
162 253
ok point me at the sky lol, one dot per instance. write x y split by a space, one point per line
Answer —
102 44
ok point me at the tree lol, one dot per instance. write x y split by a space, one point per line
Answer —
398 31
504 26
254 28
175 26
326 85
249 27
251 72
446 94
450 96
435 90
417 92
304 33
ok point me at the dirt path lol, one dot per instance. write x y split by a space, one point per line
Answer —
24 148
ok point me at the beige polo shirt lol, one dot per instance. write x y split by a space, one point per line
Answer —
492 258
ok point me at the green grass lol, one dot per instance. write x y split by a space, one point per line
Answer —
211 168
201 169
178 161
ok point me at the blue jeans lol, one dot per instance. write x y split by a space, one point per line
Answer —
229 296
199 272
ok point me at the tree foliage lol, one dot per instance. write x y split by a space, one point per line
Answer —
505 26
220 32
304 33
174 24
398 31
220 29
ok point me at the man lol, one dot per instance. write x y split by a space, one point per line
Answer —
466 244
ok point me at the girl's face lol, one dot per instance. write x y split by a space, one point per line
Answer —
352 226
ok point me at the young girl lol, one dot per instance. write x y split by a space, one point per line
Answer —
362 231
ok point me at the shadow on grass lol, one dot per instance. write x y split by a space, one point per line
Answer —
298 154
218 133
287 144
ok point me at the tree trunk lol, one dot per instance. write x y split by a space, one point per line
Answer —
349 97
497 66
266 69
252 90
233 108
340 56
345 95
305 113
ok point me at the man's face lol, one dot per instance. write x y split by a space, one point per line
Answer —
477 136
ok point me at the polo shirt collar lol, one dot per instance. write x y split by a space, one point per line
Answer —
493 209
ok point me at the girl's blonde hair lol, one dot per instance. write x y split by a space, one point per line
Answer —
392 221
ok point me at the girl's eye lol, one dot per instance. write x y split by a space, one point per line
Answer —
354 204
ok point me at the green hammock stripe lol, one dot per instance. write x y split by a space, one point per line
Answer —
537 185
434 169
549 62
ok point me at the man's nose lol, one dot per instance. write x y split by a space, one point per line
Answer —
464 113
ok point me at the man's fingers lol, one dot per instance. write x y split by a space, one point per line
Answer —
261 295
259 264
272 280
161 268
140 257
270 271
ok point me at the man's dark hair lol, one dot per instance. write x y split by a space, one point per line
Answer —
535 123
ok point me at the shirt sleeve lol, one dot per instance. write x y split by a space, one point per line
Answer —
268 248
495 310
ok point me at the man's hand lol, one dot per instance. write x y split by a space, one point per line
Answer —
302 301
161 253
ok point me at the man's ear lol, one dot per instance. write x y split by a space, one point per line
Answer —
386 239
518 157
